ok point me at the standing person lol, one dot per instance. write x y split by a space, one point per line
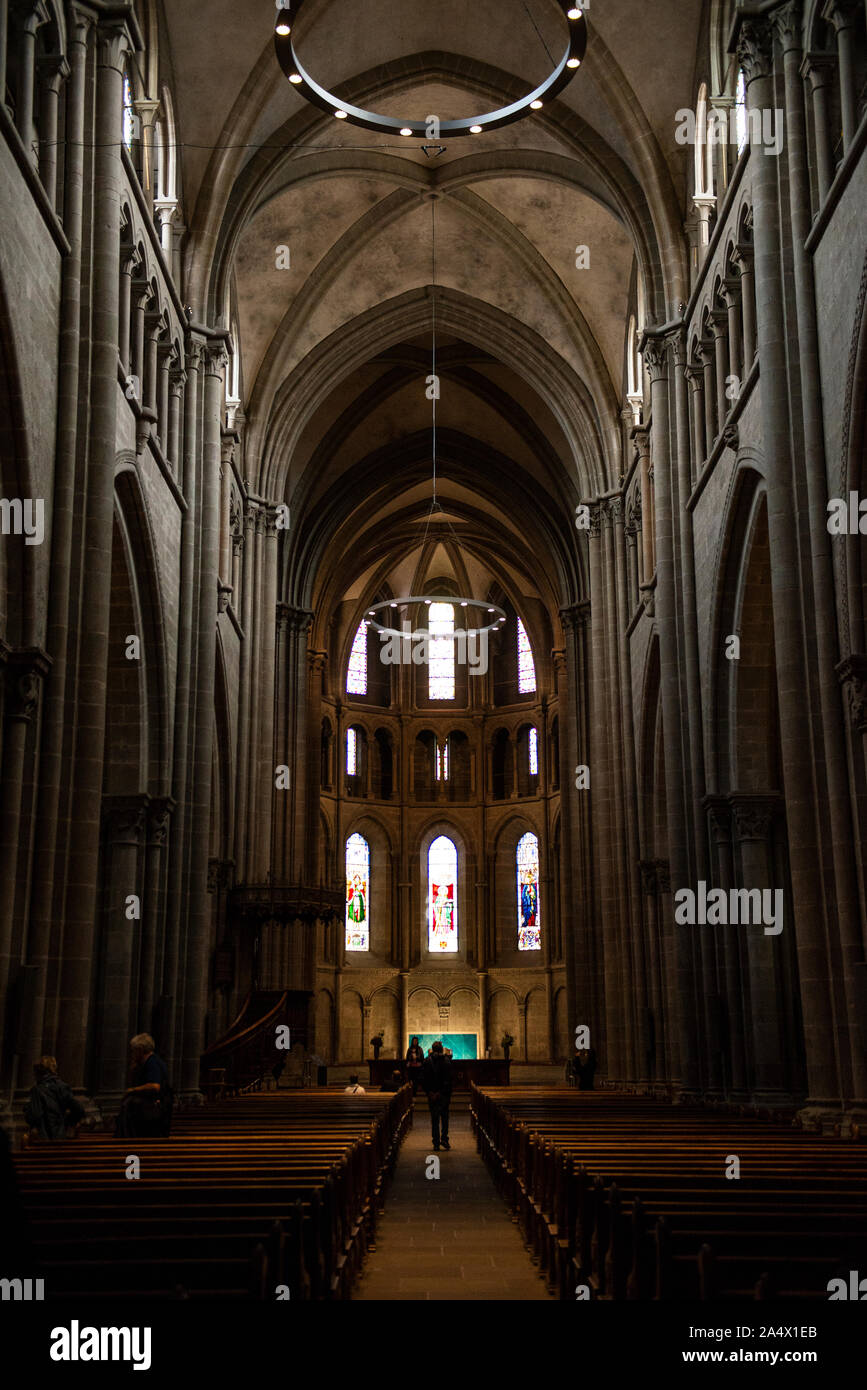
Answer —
51 1107
436 1078
414 1062
585 1068
146 1109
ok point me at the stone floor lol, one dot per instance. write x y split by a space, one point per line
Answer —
449 1237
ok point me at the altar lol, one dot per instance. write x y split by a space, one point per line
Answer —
481 1071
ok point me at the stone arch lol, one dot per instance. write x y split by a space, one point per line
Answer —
351 1025
382 908
385 1019
466 860
503 1017
323 1038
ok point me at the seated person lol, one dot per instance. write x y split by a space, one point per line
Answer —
353 1089
393 1083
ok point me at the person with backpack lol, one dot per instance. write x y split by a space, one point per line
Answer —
146 1109
436 1080
51 1108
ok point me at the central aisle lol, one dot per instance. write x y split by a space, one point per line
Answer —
446 1238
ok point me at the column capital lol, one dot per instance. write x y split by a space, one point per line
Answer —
649 877
125 818
841 13
819 69
574 616
316 661
53 68
640 436
787 22
298 621
755 47
595 529
676 342
852 675
719 818
655 353
753 816
25 670
30 15
159 815
216 358
113 43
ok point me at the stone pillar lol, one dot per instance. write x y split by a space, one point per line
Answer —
753 821
843 15
299 621
695 377
124 819
29 18
682 978
24 672
743 257
178 379
719 325
482 980
730 953
53 71
754 44
655 1055
57 712
808 379
732 296
199 917
818 68
129 264
159 814
87 770
642 444
706 356
177 887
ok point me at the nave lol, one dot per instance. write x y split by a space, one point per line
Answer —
321 1195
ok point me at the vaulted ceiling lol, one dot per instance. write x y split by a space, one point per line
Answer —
335 349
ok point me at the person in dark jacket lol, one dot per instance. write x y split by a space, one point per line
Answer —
585 1068
51 1108
436 1080
146 1108
414 1063
394 1082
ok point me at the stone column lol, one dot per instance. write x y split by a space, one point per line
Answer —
87 770
178 379
719 324
242 829
159 814
124 818
695 377
731 951
818 68
656 1062
732 297
843 15
839 809
642 444
706 356
24 672
58 712
755 51
298 628
53 71
29 18
683 1020
199 917
482 979
743 258
177 887
753 820
4 31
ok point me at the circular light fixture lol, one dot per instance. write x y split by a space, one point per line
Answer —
467 125
436 598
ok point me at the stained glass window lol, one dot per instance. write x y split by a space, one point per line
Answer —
534 753
441 652
357 894
527 858
351 752
442 876
356 679
446 761
526 669
439 764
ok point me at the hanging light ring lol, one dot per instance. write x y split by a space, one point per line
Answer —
308 87
492 626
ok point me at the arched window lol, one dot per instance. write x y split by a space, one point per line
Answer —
351 752
527 859
356 680
357 894
130 119
533 750
441 652
526 667
443 761
442 878
741 112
